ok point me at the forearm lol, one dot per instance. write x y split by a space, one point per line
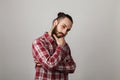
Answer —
68 67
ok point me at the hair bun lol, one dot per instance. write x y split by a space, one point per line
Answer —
61 14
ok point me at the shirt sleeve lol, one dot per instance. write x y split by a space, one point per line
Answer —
41 54
67 65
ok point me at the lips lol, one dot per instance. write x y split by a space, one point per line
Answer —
60 35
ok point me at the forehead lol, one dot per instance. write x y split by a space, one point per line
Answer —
66 21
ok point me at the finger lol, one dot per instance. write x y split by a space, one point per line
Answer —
55 37
39 65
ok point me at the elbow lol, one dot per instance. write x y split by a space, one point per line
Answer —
73 69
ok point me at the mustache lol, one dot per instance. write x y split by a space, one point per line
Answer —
61 33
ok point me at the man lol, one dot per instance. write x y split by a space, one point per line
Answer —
51 53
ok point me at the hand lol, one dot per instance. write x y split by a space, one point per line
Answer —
37 63
60 41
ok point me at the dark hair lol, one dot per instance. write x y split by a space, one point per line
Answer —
63 15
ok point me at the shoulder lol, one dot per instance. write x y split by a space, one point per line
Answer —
38 40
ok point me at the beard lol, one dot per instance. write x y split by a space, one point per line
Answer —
57 34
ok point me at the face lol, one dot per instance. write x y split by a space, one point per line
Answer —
62 27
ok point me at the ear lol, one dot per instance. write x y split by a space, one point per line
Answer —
55 23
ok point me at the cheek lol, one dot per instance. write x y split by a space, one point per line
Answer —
58 29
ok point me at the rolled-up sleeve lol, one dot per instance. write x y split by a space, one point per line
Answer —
67 64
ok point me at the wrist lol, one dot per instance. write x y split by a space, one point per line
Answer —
62 45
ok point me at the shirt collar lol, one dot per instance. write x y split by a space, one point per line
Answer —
48 37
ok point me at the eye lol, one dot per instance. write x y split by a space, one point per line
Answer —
63 26
68 30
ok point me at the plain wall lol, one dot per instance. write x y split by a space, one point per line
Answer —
94 38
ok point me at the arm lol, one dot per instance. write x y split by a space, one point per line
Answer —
41 54
67 65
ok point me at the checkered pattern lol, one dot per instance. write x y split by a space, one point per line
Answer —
56 61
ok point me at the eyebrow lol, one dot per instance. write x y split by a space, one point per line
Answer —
65 25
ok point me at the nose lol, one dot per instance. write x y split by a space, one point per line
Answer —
64 31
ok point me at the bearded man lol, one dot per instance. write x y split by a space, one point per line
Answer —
51 52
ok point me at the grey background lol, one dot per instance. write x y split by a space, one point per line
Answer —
94 38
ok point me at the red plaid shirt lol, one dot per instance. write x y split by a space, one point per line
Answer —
56 61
